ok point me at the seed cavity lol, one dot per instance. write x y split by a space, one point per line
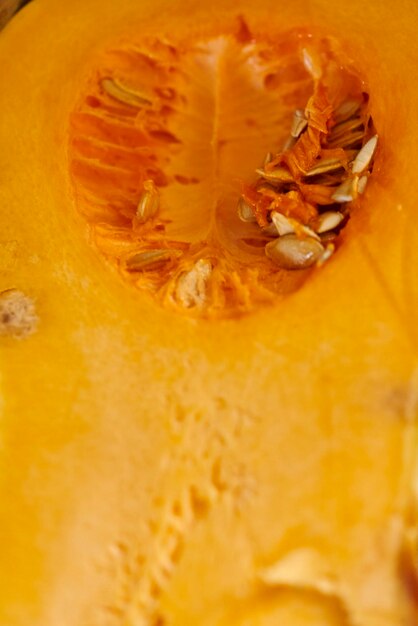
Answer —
124 94
133 161
290 252
18 316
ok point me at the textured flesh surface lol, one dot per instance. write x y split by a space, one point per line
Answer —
153 467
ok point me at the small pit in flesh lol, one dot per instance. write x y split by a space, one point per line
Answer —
18 316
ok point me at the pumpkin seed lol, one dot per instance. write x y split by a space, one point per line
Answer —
322 166
245 212
270 230
299 123
302 230
148 203
149 260
123 94
296 245
282 224
362 183
289 143
327 254
267 159
347 191
328 237
277 175
191 288
345 128
346 110
328 221
365 156
350 139
292 253
266 188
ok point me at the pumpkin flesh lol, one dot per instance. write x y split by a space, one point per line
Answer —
148 474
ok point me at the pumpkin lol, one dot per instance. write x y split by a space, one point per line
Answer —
196 436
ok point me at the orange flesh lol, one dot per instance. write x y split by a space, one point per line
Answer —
298 421
218 105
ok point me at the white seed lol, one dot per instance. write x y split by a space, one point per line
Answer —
345 128
362 183
301 229
347 191
365 156
289 143
282 224
299 123
148 203
267 159
327 254
346 110
328 221
121 93
191 288
278 175
292 253
267 189
270 230
323 166
149 260
245 212
17 314
350 139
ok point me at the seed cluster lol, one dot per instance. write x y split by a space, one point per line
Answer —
301 198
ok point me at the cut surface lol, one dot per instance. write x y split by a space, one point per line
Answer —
162 470
163 141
